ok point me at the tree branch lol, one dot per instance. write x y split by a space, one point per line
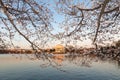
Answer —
114 9
12 22
99 18
92 9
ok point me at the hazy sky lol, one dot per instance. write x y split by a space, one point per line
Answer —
58 19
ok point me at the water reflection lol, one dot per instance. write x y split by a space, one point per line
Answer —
63 66
78 59
59 59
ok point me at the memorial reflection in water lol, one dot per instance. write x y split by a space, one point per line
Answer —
58 66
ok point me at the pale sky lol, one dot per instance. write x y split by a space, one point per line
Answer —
20 41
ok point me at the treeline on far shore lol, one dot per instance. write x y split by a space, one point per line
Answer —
16 51
24 51
106 49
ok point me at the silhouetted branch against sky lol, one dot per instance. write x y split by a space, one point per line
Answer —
27 17
94 15
41 21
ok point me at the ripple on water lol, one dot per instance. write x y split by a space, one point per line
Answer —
68 68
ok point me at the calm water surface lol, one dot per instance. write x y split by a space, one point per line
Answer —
58 67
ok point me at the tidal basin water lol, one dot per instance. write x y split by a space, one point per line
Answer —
58 67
